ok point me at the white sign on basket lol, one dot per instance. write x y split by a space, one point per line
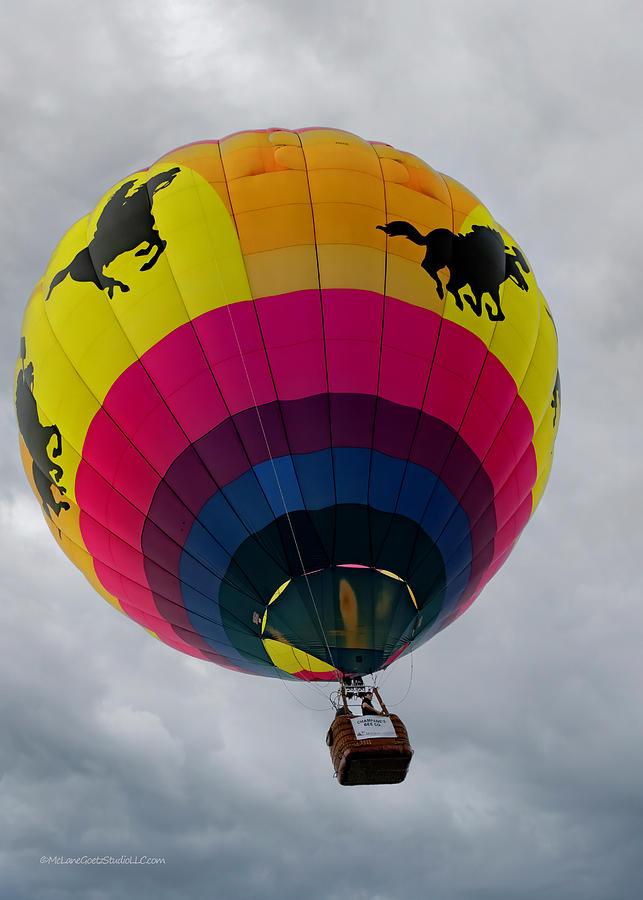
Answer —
373 727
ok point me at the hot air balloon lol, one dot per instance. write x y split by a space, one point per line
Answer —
288 399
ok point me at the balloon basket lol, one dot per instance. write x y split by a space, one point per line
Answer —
369 760
358 753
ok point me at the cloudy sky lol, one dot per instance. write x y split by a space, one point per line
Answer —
526 715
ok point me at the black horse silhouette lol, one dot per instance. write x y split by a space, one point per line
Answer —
555 402
37 438
478 258
125 222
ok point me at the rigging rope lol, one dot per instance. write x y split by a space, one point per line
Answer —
281 493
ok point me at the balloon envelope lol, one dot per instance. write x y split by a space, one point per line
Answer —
288 400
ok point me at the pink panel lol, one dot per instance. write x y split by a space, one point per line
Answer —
109 452
293 334
460 350
481 425
515 489
403 378
198 406
352 315
140 411
290 318
245 382
352 367
507 535
496 385
510 445
410 336
101 502
232 341
447 396
180 371
353 330
113 551
299 370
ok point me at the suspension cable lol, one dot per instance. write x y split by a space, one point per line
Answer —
281 493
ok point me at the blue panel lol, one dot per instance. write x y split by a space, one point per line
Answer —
441 507
416 490
351 474
386 478
315 473
201 545
218 518
279 483
457 558
249 502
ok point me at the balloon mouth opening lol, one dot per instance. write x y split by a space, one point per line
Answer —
371 612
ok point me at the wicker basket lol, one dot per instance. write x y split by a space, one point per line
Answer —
369 760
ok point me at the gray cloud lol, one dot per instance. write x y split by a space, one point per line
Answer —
525 714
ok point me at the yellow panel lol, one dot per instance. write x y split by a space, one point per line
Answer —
420 177
79 555
342 187
62 397
202 254
538 384
83 318
290 157
345 223
407 281
394 171
351 267
514 342
205 159
464 204
541 482
266 191
290 659
275 228
425 213
545 436
284 139
328 149
200 269
281 271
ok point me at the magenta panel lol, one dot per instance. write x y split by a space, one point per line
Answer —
110 453
481 425
353 330
114 551
138 408
99 500
352 315
516 488
510 444
180 371
448 396
293 334
409 339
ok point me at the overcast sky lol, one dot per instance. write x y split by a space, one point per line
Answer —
526 714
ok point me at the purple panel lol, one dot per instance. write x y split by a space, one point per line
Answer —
158 546
167 509
257 427
307 423
394 428
223 453
432 444
190 479
351 417
460 467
